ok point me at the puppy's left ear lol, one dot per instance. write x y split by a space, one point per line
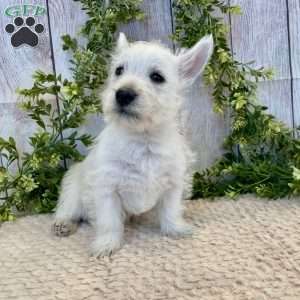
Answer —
122 42
192 62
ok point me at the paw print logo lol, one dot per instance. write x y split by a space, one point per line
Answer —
24 32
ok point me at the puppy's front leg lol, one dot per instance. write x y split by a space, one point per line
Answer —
109 224
170 212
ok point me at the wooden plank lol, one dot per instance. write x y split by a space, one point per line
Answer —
277 95
66 17
261 34
156 26
294 26
16 124
296 98
16 68
18 64
205 130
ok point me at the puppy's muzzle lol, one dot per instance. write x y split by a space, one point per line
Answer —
125 96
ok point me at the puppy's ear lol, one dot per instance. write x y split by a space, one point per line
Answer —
122 42
192 62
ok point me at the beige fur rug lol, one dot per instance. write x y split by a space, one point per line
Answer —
246 249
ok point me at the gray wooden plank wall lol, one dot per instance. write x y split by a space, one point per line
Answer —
16 67
268 32
262 34
294 29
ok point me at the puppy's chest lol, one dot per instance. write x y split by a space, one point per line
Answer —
146 167
139 165
140 172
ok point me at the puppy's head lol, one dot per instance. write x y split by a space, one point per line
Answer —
144 87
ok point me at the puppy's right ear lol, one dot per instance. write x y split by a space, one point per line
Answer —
193 61
122 42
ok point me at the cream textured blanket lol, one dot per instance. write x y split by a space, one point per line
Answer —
246 249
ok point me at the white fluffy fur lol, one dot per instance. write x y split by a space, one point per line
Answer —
140 160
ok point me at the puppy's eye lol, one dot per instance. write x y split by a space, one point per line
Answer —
157 78
119 70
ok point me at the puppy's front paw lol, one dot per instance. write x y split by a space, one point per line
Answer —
64 228
178 229
106 245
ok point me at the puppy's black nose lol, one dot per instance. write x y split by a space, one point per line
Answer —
125 96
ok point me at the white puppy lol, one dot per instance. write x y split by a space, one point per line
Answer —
139 162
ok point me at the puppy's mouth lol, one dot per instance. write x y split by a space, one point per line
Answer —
127 113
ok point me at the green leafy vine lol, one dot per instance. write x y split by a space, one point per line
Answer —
261 154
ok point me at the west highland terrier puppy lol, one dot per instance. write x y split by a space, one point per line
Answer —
140 160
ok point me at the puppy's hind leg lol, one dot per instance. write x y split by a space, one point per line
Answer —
69 207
